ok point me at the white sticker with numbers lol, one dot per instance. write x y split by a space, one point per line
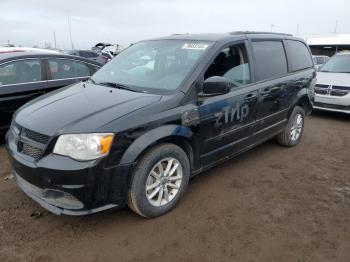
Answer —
195 46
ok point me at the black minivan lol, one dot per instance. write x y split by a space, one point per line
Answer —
26 75
162 111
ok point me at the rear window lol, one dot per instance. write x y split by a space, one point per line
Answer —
300 56
270 59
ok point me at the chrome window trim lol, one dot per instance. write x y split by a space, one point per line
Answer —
25 83
70 78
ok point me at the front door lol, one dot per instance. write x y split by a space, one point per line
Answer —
226 120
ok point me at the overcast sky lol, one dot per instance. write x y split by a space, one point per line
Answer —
33 22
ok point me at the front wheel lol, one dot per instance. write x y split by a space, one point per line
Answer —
293 132
159 180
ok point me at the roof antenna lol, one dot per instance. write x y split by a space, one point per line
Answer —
336 26
70 34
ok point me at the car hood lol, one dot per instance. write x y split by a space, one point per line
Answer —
336 79
83 107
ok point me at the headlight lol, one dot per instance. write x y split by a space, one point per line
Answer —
84 146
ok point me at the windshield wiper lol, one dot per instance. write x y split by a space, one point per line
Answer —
91 80
117 85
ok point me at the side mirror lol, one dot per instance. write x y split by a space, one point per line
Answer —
215 85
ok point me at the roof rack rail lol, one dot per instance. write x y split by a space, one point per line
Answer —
180 34
256 32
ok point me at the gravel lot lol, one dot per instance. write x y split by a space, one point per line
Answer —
269 204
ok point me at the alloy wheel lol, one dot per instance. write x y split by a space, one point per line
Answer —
164 181
297 127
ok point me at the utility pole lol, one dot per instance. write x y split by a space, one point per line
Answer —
54 38
272 25
70 34
297 29
336 27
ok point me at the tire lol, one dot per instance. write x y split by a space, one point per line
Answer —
146 203
287 137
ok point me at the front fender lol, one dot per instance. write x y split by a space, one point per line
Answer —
152 137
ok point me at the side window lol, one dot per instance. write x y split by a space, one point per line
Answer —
319 60
231 63
64 68
93 69
270 59
81 69
300 56
20 72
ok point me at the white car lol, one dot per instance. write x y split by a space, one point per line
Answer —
332 90
26 49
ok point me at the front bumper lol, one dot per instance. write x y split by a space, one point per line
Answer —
332 103
42 197
65 186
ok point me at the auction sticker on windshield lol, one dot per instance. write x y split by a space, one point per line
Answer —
195 46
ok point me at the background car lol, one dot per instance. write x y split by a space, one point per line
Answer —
101 57
108 48
26 75
332 91
319 60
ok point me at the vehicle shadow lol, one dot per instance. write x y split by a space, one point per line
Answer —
331 115
125 216
2 139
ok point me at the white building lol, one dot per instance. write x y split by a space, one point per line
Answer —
328 44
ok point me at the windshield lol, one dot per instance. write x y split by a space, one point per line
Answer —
152 65
337 64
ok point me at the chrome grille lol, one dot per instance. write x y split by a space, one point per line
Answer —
321 92
332 90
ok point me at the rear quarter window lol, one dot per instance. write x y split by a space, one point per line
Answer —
299 55
270 59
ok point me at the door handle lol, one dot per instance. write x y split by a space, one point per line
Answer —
275 89
250 97
270 90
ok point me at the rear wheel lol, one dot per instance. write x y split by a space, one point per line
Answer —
293 132
159 180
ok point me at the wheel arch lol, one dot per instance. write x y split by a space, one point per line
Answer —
179 135
303 101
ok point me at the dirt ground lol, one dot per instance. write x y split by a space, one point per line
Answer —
269 204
